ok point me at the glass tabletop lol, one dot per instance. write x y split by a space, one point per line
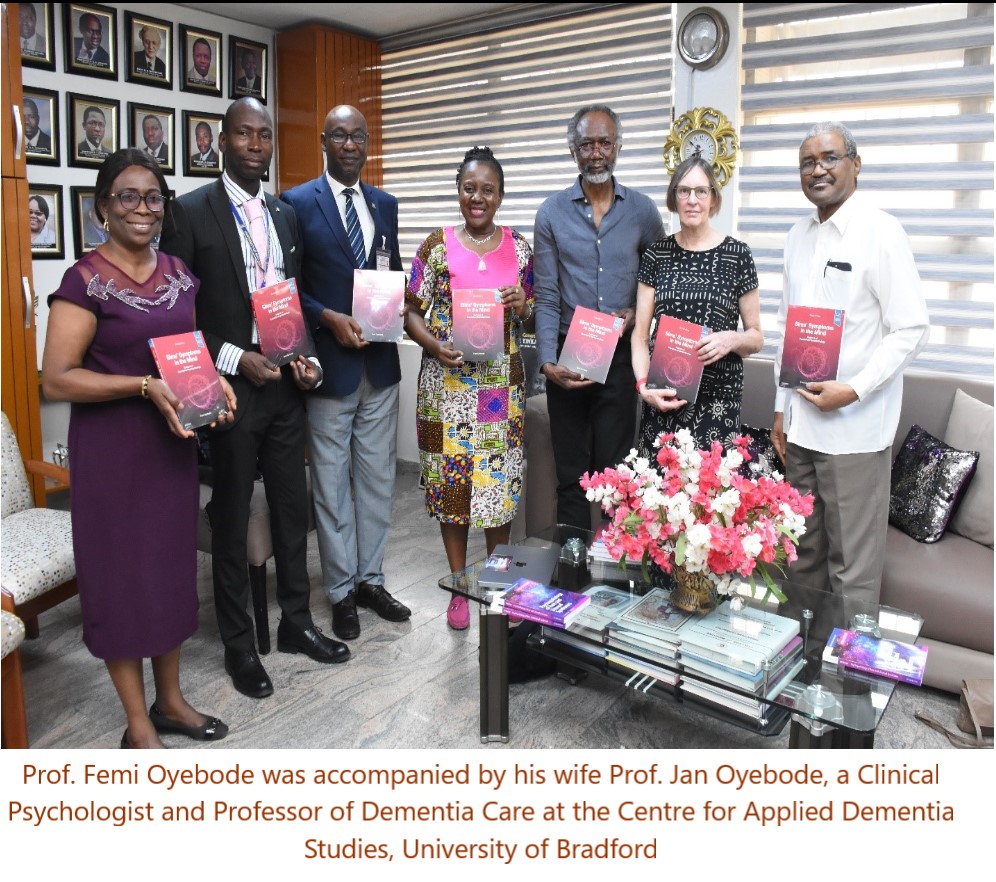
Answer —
818 694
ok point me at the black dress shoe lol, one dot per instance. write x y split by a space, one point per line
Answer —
247 672
312 642
345 622
375 597
212 729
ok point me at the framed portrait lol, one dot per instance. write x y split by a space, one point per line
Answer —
247 69
45 221
91 34
37 35
40 118
151 129
149 54
93 129
88 231
201 155
201 61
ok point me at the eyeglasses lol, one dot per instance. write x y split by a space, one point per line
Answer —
586 148
829 163
358 138
701 193
130 200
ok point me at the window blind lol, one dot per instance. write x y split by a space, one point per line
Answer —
914 83
514 89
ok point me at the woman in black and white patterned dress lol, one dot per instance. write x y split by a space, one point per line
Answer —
698 275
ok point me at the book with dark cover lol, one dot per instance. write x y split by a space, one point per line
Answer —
675 363
655 616
377 299
280 322
185 365
541 603
590 343
743 639
811 351
478 323
892 659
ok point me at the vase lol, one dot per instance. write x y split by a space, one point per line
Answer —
693 592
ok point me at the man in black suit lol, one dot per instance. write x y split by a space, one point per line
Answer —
94 126
87 49
155 146
147 61
35 140
236 238
249 81
206 156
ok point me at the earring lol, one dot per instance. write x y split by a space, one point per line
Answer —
107 229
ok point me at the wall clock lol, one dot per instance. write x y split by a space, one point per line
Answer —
703 37
707 132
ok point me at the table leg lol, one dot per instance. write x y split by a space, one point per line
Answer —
494 675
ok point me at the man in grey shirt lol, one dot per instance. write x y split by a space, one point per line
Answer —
588 242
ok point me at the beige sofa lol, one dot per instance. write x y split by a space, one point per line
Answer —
949 583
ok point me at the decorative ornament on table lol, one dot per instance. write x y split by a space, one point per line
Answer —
697 514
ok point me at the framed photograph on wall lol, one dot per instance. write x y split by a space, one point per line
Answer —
91 34
247 69
150 51
40 117
37 36
88 231
93 129
151 129
201 61
200 146
45 221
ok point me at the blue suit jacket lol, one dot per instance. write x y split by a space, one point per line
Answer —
326 281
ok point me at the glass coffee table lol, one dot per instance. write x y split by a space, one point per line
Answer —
827 706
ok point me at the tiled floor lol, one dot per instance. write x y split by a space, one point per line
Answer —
413 685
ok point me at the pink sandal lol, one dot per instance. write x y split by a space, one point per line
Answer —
457 614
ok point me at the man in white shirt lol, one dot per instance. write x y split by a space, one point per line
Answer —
836 436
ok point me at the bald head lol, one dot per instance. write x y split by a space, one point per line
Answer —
344 140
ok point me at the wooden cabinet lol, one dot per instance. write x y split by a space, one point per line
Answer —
317 68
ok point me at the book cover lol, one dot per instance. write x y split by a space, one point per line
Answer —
280 322
675 363
892 659
743 639
648 647
590 343
606 605
186 366
656 617
377 299
811 351
478 323
541 603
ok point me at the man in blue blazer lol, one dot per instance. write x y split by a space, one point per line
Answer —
353 415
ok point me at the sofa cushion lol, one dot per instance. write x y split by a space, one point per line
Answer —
949 583
970 427
928 480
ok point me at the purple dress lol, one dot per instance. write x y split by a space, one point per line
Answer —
134 492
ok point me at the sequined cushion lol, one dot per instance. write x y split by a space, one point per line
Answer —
763 459
928 480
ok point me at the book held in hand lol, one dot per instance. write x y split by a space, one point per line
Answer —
280 322
892 659
590 343
186 366
377 299
811 352
675 363
478 323
541 603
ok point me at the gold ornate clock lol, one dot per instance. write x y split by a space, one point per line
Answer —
707 132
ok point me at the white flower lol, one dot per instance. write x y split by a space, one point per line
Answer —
751 545
726 503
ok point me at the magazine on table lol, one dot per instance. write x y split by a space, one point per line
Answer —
811 352
536 602
893 659
655 616
280 322
186 366
607 603
590 343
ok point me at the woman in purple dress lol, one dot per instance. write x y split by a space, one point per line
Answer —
134 492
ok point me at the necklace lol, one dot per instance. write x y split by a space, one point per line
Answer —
483 241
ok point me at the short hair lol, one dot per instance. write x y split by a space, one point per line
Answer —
116 163
485 156
149 116
93 109
30 102
200 41
684 167
247 53
256 104
203 125
572 126
837 128
144 28
42 204
91 17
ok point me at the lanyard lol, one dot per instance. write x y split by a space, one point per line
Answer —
258 263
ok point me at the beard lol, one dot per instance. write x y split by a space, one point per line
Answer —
599 177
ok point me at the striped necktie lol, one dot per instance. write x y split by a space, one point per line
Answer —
353 230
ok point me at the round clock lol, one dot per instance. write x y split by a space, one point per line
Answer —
703 38
706 132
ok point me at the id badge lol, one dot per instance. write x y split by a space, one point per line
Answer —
383 255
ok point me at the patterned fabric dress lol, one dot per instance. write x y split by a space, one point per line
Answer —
704 287
133 489
470 418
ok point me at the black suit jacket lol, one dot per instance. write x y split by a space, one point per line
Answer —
162 154
100 56
326 281
44 144
210 160
158 68
202 232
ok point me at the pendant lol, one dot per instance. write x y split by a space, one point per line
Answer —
481 266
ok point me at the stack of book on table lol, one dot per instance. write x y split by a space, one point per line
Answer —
604 605
536 602
757 653
878 656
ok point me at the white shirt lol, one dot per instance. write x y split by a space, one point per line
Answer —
885 323
359 203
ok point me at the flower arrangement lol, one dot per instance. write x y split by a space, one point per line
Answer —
699 512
